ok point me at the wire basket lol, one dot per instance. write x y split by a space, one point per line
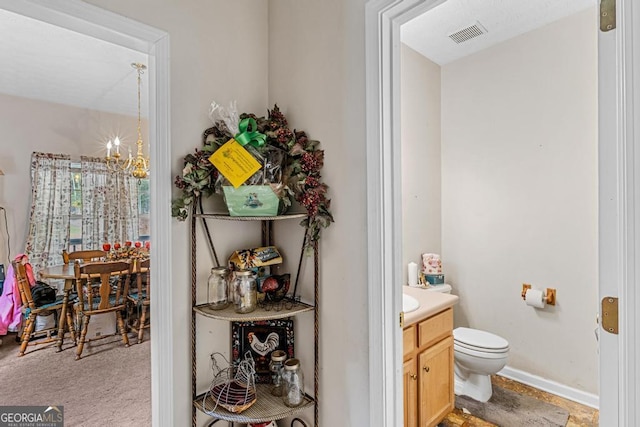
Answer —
233 387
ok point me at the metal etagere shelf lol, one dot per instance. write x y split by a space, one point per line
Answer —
267 407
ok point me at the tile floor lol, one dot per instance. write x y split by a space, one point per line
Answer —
579 415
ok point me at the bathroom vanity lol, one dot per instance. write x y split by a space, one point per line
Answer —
428 358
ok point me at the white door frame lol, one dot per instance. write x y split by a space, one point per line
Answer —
384 203
619 168
619 180
92 21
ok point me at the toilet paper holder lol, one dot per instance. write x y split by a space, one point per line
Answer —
549 294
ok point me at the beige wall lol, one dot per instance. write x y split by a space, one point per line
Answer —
519 194
218 51
316 75
420 139
28 125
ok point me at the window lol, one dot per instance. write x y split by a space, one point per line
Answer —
75 218
143 209
75 221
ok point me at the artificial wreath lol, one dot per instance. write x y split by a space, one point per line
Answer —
298 174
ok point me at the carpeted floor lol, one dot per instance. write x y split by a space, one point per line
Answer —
109 386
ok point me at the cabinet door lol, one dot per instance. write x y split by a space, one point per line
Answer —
409 341
435 374
410 393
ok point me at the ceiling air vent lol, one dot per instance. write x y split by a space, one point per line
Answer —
468 33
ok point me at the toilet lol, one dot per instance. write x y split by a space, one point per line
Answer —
477 355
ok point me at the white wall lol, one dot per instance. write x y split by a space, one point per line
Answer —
28 125
420 130
519 194
316 75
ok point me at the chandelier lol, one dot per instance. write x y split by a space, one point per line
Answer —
138 166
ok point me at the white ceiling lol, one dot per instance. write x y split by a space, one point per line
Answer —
45 62
503 19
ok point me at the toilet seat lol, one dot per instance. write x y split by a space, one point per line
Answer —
479 341
462 345
480 353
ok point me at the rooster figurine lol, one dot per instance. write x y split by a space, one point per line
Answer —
262 348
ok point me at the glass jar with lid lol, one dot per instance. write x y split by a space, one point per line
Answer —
293 383
275 366
218 288
245 291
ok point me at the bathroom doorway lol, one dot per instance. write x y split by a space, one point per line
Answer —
497 104
384 21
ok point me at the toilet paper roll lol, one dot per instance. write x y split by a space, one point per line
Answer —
412 276
535 298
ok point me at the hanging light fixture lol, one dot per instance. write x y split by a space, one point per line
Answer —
138 166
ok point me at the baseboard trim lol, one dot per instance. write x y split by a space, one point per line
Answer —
579 396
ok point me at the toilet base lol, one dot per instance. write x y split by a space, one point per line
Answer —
477 387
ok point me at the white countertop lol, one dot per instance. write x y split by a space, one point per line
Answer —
430 303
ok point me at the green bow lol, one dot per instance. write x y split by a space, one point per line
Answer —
254 137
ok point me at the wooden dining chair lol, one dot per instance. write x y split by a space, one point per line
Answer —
139 298
30 312
105 295
86 256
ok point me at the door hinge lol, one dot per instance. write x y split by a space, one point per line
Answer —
610 315
402 320
607 15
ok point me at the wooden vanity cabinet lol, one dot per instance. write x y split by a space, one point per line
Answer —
428 370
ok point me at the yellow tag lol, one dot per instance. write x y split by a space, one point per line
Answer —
234 162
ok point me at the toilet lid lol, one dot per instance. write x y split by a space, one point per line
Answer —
474 338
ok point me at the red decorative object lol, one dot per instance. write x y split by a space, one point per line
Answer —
138 244
106 247
116 246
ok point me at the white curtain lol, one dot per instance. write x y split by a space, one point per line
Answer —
109 204
50 209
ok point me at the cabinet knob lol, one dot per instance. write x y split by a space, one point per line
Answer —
425 368
414 376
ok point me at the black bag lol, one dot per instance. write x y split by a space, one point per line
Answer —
42 294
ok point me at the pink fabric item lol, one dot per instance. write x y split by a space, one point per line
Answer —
10 303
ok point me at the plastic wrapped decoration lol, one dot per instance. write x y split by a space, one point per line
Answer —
266 184
271 158
232 388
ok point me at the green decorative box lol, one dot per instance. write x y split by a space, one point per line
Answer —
252 200
434 279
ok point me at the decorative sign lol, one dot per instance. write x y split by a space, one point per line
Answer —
234 162
261 338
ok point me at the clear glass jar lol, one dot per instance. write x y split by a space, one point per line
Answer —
245 291
217 288
275 366
293 383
